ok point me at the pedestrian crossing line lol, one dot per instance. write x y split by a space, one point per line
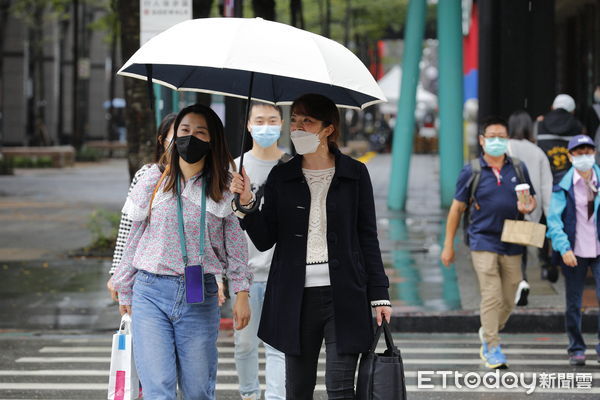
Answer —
230 360
220 373
318 388
63 360
90 349
411 350
56 372
398 340
86 340
53 386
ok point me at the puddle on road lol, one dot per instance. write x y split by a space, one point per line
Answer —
418 280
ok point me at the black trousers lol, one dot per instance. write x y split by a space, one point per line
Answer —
318 323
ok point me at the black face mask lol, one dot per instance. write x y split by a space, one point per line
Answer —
192 149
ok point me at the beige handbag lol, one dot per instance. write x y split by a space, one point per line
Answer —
525 233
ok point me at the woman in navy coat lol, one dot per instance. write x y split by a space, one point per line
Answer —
327 273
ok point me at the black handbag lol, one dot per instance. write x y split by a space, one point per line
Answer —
381 376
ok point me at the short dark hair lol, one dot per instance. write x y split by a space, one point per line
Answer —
492 120
259 104
520 126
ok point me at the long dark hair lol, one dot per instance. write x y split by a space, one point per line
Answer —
161 136
218 161
520 126
322 108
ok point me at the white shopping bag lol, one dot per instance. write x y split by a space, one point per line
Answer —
123 383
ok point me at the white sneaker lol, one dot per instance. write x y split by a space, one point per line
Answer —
522 293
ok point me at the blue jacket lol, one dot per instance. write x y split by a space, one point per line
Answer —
562 220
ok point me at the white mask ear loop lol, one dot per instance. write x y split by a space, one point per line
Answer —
324 141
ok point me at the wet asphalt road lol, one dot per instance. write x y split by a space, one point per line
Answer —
75 366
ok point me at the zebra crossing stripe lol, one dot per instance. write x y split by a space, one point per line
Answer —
414 350
56 372
318 388
554 340
230 360
220 373
63 360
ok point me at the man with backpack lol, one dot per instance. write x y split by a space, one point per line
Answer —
485 193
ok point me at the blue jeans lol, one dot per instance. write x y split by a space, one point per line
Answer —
246 353
174 342
574 284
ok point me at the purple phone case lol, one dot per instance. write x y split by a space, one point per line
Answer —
194 284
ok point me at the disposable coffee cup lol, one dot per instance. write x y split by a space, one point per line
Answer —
523 192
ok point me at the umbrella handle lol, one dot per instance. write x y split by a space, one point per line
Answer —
239 206
246 210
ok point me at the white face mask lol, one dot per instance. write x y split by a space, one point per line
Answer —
305 142
584 162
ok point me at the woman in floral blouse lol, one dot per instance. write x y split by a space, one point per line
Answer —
175 341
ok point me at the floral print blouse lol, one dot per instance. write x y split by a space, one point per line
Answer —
153 243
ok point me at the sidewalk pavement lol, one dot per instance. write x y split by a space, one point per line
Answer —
44 214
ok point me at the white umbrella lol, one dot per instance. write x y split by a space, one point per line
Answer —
224 55
253 58
390 86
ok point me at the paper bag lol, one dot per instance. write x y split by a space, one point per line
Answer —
525 233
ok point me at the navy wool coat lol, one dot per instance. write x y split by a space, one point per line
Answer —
355 266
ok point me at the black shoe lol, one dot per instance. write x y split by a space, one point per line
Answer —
550 272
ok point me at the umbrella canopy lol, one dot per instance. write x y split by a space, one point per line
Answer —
390 85
224 55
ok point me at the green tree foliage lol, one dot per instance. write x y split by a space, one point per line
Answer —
108 23
53 10
372 19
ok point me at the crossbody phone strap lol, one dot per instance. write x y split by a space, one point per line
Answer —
180 227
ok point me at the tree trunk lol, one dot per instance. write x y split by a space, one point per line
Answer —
264 9
83 105
139 118
201 9
40 133
297 16
63 29
111 126
4 5
76 139
36 124
327 30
